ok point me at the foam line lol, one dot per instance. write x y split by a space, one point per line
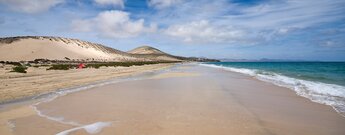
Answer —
93 128
328 94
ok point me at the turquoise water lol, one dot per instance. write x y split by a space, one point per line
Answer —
321 82
326 72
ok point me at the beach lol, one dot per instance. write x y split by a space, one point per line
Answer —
184 99
16 86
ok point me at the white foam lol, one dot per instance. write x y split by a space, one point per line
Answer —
63 92
91 128
328 94
11 125
57 119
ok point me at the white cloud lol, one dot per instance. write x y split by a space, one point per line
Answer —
205 32
111 2
290 13
113 24
262 22
30 6
160 4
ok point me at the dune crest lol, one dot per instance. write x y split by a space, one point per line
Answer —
29 48
56 48
146 50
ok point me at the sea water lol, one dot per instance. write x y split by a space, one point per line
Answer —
321 82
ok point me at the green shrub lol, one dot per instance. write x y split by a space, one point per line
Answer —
124 64
19 69
61 67
13 63
105 64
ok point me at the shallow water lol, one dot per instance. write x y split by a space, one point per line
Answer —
321 82
205 103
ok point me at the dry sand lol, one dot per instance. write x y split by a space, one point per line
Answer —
57 48
52 48
192 100
39 80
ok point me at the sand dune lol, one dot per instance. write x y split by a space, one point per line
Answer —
29 48
146 50
151 53
55 48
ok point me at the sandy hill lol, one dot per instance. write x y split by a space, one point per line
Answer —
28 48
151 53
146 50
56 48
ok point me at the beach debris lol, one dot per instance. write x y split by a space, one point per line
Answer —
81 66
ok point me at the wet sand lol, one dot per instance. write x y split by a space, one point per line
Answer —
186 100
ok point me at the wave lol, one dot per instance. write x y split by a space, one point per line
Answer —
91 128
44 98
328 94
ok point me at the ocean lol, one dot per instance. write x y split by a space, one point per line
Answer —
321 82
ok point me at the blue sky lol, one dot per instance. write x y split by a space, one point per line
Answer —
248 29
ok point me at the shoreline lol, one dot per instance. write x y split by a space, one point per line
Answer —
188 99
301 87
102 74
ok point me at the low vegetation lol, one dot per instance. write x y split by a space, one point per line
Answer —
105 64
119 64
62 67
11 63
19 69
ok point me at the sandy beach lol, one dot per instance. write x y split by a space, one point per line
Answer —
172 67
37 81
185 100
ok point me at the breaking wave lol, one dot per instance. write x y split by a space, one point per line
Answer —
323 93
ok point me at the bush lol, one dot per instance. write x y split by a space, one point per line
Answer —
105 64
13 63
61 67
19 69
125 64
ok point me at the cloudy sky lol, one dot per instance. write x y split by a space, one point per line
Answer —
250 29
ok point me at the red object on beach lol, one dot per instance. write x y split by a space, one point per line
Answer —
81 66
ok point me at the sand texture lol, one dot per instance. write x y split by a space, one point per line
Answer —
187 100
39 80
65 49
25 49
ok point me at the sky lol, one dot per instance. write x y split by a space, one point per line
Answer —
234 29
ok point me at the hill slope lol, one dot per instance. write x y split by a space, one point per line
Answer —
148 52
29 48
56 48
